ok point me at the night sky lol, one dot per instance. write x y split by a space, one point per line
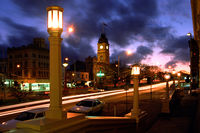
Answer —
154 30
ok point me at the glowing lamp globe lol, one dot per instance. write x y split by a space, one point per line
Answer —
178 74
65 64
66 59
135 70
55 18
189 34
173 72
18 66
167 76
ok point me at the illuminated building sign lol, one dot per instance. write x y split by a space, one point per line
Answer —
100 74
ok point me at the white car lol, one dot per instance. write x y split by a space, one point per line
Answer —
88 107
27 115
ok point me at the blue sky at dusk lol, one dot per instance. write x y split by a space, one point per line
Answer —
154 30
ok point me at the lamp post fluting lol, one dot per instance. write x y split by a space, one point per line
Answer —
135 111
55 28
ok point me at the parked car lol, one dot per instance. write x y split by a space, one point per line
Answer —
88 107
27 115
92 89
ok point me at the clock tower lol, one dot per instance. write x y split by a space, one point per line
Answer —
103 50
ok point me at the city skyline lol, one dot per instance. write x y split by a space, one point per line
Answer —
155 32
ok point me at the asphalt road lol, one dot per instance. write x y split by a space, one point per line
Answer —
117 101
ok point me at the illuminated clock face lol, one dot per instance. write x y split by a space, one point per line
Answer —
101 47
106 47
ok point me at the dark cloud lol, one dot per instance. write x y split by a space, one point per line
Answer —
171 63
77 49
177 46
126 19
36 8
175 8
144 51
20 34
141 53
145 8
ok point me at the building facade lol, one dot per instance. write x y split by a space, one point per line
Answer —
30 64
90 66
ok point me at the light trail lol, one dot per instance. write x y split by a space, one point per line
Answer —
77 98
47 100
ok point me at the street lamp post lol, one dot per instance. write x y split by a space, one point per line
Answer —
135 111
65 64
55 28
118 66
179 77
174 74
128 52
167 77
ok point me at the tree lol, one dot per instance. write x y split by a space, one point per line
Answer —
18 93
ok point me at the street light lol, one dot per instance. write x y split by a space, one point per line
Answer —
179 77
18 65
55 28
70 29
190 35
167 77
135 111
174 74
128 52
65 67
66 58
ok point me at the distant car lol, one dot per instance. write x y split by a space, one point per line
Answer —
88 107
95 90
27 115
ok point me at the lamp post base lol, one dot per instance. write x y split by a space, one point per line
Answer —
57 114
136 115
46 125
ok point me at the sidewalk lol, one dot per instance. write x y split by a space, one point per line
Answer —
184 117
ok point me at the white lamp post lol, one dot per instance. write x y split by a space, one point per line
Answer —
65 67
179 77
167 77
174 74
55 28
135 111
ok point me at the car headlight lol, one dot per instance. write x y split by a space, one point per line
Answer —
4 123
77 109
